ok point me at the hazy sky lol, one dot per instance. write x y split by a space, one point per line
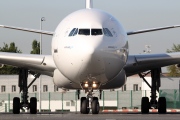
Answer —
133 14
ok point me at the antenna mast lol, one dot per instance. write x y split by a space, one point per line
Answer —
89 4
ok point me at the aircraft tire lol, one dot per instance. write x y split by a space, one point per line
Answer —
85 106
95 98
33 105
162 105
16 105
95 106
82 98
145 105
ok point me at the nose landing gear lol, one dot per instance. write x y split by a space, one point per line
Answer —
88 103
95 105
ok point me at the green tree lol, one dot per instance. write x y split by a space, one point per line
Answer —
6 69
35 47
173 70
10 48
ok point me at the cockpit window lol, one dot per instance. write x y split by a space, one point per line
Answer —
107 32
73 32
84 32
96 31
93 31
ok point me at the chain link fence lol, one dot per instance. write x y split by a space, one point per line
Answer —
61 102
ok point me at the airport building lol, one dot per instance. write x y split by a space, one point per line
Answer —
55 99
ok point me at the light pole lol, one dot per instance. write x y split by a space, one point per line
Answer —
147 49
42 19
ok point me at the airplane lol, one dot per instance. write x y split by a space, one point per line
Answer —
89 52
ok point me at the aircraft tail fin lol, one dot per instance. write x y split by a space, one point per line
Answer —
89 4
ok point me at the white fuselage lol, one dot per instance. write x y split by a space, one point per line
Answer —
89 56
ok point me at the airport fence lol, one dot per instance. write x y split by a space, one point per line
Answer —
61 102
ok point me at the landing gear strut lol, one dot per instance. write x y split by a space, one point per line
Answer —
88 103
161 104
24 104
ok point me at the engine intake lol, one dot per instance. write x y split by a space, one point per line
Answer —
62 82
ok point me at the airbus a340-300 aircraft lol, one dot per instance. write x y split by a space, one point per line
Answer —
89 54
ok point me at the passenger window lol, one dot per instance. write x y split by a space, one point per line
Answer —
96 31
73 32
107 32
84 32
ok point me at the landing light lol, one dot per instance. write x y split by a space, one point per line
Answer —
94 85
86 85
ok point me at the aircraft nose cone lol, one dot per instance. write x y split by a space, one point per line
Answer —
84 51
80 59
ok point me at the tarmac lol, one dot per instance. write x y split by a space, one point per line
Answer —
139 111
101 116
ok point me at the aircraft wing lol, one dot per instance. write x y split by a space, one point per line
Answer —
141 63
43 64
151 29
28 30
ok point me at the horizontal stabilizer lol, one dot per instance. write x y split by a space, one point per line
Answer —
28 30
151 30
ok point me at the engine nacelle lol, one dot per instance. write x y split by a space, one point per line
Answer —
1 65
177 66
117 82
62 82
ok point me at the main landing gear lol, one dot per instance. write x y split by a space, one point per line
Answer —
24 104
88 103
153 103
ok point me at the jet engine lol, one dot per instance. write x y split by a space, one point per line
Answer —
1 65
117 82
177 66
62 82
